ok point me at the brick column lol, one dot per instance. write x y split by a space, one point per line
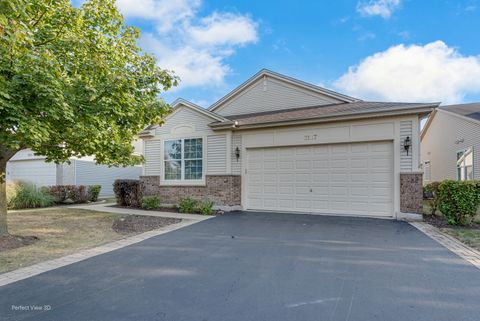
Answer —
411 192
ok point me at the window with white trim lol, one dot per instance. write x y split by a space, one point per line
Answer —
183 159
465 164
427 173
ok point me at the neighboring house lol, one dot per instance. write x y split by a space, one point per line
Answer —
450 143
26 166
279 144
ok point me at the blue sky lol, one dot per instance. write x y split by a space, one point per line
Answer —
398 50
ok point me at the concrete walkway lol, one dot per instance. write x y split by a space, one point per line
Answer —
109 207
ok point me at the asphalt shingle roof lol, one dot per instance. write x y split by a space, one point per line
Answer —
467 110
322 111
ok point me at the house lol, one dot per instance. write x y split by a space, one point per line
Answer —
280 144
28 167
450 143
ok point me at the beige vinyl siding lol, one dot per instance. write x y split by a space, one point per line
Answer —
443 140
153 157
406 158
68 173
271 94
185 117
216 154
89 173
236 165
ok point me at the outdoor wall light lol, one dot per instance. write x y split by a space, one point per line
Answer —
237 153
407 143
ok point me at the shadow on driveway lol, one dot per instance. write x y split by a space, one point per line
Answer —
259 266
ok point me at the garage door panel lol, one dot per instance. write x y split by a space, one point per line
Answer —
359 149
338 179
286 164
320 164
339 163
288 178
302 190
303 204
320 176
303 151
302 178
381 147
270 189
340 149
359 163
359 191
320 190
270 164
286 190
286 203
303 164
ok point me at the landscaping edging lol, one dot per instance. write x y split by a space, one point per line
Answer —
464 251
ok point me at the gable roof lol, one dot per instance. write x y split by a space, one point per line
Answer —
265 72
469 112
180 102
466 110
358 109
176 106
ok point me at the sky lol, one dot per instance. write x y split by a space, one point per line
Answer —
379 50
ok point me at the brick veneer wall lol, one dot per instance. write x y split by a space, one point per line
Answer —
223 190
411 192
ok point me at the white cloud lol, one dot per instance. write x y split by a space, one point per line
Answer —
383 8
195 66
433 72
164 12
193 46
227 28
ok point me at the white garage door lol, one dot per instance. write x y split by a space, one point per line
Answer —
352 179
36 171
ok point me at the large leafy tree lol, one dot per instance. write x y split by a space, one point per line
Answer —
73 82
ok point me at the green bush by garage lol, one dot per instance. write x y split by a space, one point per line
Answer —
458 201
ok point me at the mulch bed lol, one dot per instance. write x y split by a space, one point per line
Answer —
441 222
141 223
168 209
9 242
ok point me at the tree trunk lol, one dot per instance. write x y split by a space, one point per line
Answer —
5 155
3 199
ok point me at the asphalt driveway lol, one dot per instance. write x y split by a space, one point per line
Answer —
247 266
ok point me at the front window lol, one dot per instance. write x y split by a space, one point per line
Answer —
465 164
183 159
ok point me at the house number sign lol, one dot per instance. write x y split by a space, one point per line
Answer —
310 137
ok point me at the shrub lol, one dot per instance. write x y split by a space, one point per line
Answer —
205 208
150 202
430 193
77 194
93 192
25 195
63 193
127 192
459 200
59 193
187 205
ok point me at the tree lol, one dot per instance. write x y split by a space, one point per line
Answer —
73 82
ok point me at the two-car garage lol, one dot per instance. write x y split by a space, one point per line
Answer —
349 178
